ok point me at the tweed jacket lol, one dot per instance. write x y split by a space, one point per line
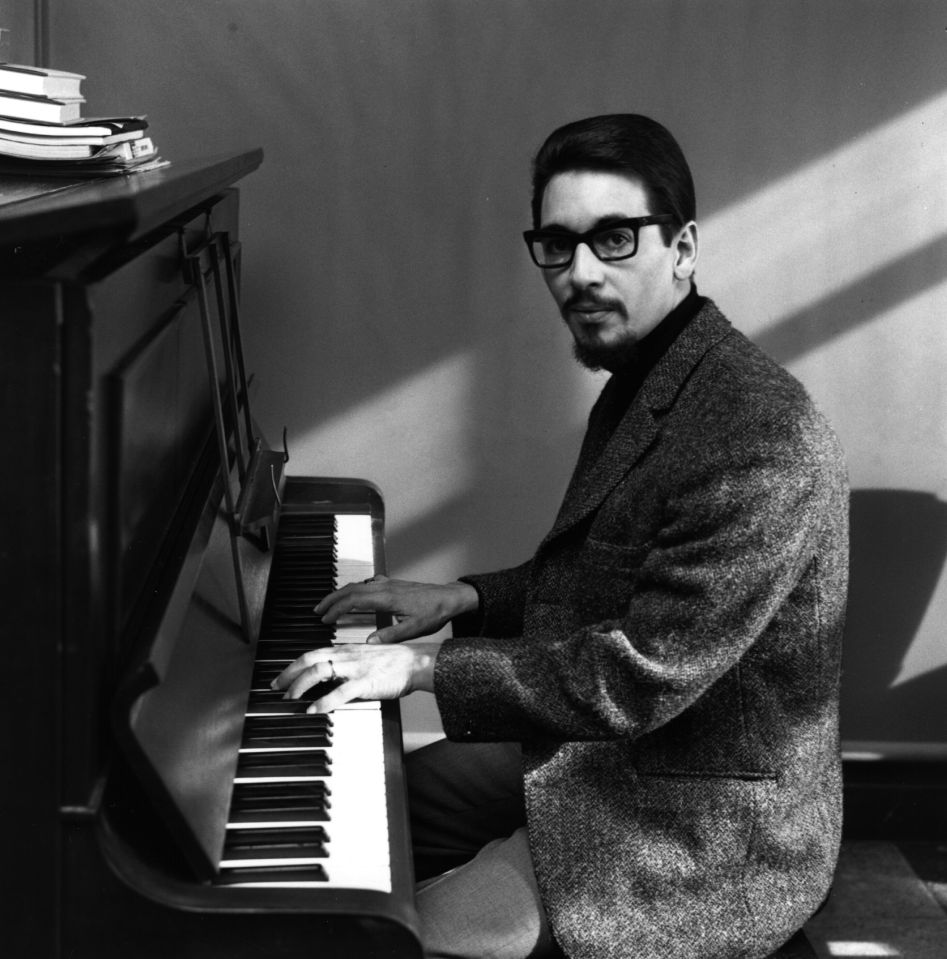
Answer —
669 659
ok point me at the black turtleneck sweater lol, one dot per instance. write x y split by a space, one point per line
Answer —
624 384
658 342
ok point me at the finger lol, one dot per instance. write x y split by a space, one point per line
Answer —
354 598
409 628
346 692
344 591
306 661
320 673
335 596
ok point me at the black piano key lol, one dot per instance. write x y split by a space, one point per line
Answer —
314 762
267 843
298 767
286 812
319 543
279 802
289 873
318 812
303 581
300 629
283 653
254 737
302 577
278 707
254 790
264 674
268 701
304 571
261 695
302 585
290 725
287 606
298 635
281 726
246 795
302 732
266 671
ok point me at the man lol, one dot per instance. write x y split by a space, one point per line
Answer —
642 719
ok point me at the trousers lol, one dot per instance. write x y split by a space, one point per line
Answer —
476 894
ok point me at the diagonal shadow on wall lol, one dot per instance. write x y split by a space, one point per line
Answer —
857 303
898 550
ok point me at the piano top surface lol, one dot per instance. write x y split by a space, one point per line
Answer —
36 209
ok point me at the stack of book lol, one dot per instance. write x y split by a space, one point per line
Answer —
42 130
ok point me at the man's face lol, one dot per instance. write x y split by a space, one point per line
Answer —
610 306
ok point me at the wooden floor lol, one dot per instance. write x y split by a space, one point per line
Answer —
888 899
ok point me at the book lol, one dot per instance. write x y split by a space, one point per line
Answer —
88 127
44 151
78 169
42 132
40 81
125 152
76 140
23 106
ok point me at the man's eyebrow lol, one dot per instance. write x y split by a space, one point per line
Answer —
603 222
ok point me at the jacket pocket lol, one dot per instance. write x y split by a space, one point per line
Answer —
605 577
705 826
623 557
688 853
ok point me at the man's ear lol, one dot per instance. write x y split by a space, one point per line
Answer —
686 249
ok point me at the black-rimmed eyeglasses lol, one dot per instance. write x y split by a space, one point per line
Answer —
618 240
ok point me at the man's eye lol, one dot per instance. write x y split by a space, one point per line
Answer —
557 245
614 241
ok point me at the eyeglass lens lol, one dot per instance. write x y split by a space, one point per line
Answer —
609 243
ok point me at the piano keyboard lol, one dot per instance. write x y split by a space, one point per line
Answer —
308 808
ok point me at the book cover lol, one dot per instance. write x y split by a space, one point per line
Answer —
81 127
117 153
40 81
45 151
23 106
78 169
77 139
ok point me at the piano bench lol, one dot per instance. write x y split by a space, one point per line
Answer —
798 947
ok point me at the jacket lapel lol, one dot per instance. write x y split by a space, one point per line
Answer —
605 460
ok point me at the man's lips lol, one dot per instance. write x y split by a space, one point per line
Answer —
592 312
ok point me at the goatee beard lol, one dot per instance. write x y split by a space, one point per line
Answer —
606 356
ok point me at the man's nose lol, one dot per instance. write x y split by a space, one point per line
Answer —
586 266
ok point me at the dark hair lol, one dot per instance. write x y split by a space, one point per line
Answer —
626 143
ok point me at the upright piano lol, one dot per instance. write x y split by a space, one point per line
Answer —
159 565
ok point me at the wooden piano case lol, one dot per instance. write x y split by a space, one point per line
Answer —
110 483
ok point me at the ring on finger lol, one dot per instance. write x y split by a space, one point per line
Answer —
333 676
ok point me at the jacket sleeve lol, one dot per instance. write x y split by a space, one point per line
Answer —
502 596
740 525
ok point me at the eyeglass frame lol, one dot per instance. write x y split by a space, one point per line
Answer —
634 222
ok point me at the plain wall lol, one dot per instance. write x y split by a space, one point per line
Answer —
21 30
400 333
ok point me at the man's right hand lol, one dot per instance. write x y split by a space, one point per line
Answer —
419 609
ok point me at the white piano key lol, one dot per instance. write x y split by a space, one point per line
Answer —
358 843
358 846
355 561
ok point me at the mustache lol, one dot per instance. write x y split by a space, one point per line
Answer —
582 301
